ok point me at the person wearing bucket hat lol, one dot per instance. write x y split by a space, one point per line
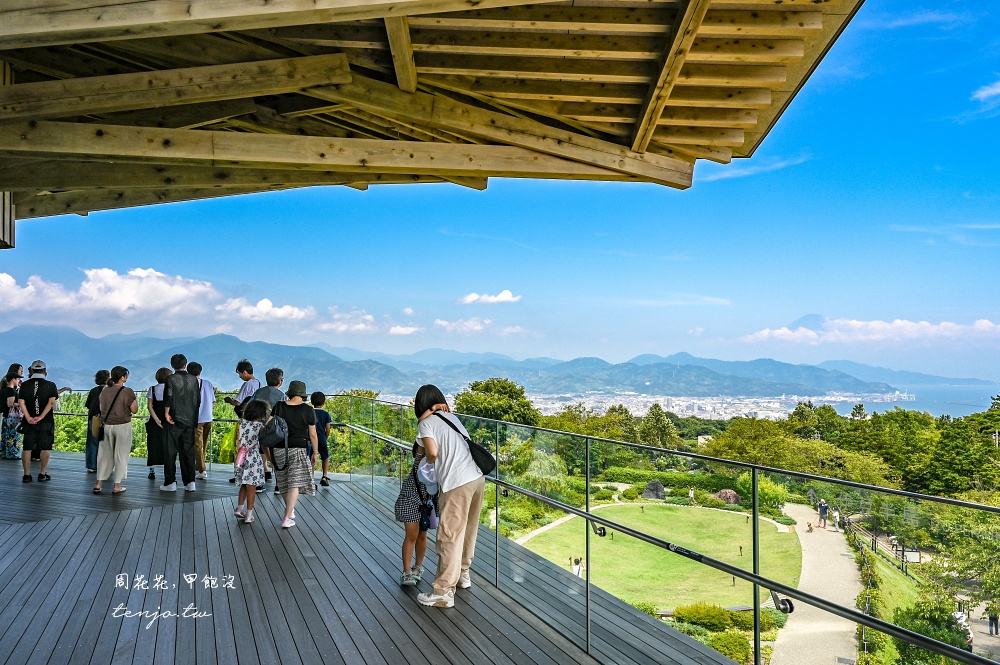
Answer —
294 465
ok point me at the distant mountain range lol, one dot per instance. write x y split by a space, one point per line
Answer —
72 358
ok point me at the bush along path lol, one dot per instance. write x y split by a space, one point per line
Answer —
812 636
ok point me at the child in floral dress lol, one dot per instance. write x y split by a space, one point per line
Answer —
250 470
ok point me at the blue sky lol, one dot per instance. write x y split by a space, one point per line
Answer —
873 204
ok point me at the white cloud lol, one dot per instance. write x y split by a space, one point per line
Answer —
139 292
355 321
512 330
987 92
408 311
765 166
696 331
848 331
264 310
503 296
464 326
404 330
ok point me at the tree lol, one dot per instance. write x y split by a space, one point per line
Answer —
930 616
961 459
755 441
498 399
657 430
770 495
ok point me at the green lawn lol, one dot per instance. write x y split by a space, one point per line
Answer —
898 591
637 571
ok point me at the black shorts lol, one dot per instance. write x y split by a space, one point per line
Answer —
324 452
39 438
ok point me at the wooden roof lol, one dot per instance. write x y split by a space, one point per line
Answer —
117 103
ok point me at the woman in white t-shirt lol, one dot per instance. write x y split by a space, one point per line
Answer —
461 486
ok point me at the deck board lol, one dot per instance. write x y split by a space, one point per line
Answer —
323 592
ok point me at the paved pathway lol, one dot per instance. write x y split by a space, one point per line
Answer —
812 636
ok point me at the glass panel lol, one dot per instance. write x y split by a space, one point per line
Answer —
339 442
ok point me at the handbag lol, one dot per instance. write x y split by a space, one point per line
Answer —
483 458
97 424
272 434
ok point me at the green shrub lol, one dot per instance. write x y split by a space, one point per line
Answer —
631 494
732 644
877 641
604 495
779 618
712 617
785 519
867 659
705 482
648 608
744 620
794 497
769 635
766 651
712 502
690 629
735 509
543 521
517 516
504 530
676 500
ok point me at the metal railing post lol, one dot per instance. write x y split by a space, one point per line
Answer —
496 503
756 567
586 528
371 469
350 438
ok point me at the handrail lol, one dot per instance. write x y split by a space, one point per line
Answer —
850 614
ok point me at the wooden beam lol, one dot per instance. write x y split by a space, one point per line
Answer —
126 92
6 195
684 32
402 53
187 116
506 44
46 22
548 69
751 76
554 18
741 49
449 115
63 140
265 120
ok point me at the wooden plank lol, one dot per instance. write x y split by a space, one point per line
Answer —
682 36
193 50
507 44
556 18
747 50
446 114
185 116
205 148
751 76
266 120
737 23
548 69
514 88
63 62
402 53
727 98
125 92
47 22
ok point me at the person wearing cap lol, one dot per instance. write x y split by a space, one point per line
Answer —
824 510
37 399
182 395
294 468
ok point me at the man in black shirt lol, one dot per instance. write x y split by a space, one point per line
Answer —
37 400
182 395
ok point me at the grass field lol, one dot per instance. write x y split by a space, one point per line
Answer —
637 571
898 591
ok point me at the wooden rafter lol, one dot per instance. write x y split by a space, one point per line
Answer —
126 92
450 115
398 31
187 116
682 37
61 140
49 22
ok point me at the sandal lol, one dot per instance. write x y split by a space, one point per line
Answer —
120 490
324 481
96 490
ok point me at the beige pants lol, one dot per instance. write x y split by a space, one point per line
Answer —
202 435
457 529
113 452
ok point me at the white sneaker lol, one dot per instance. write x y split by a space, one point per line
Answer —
201 475
434 600
464 580
189 487
172 487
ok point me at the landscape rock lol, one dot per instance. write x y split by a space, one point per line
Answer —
654 490
729 496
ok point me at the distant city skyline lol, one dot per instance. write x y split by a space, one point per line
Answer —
868 218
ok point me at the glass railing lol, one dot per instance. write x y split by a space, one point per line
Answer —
741 557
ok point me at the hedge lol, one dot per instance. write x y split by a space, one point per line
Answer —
732 644
705 482
712 617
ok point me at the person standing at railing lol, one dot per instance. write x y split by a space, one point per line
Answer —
117 404
37 398
93 406
408 509
324 421
270 394
294 465
244 369
156 426
461 485
10 438
183 402
203 430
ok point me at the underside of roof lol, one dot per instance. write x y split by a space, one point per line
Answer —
115 103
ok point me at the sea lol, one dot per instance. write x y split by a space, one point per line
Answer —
936 400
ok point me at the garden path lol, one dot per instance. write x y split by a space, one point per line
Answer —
812 636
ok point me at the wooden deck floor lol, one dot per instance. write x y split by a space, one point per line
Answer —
325 591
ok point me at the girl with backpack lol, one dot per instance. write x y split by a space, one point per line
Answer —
410 508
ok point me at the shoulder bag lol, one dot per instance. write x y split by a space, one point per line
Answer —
272 434
97 424
480 455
